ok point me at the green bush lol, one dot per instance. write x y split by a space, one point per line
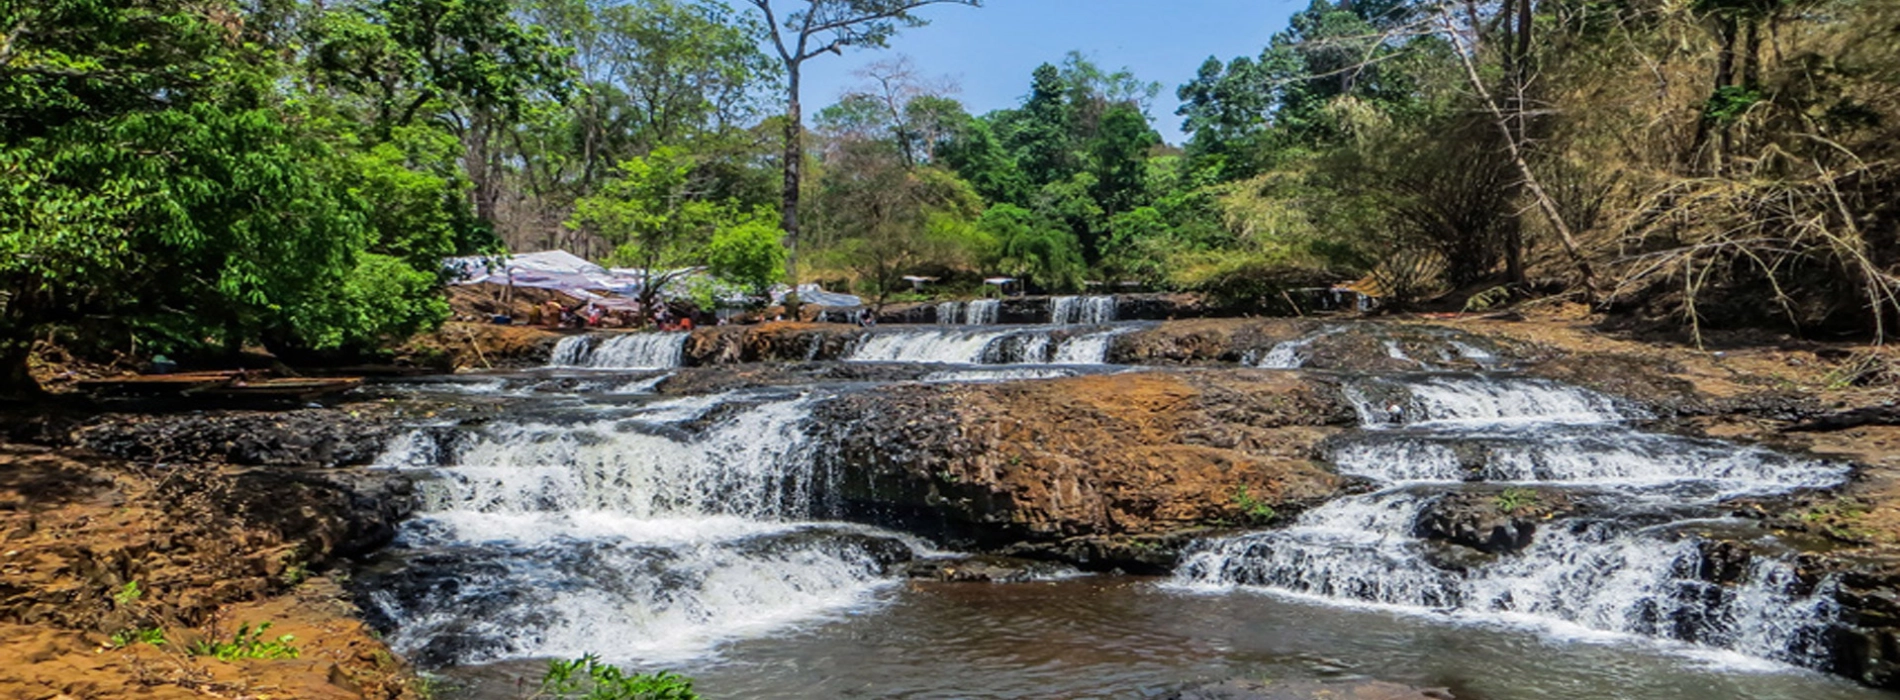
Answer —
248 643
587 678
1257 511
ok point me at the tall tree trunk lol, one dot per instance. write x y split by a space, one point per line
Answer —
794 163
1545 204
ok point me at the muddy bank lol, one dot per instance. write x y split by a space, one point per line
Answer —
1112 471
95 548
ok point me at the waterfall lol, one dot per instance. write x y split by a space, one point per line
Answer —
987 346
949 313
1092 311
984 312
1292 354
652 534
1478 399
621 351
1641 465
1090 349
1600 572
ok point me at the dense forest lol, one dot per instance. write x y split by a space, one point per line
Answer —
202 175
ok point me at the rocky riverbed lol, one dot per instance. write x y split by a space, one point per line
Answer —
222 514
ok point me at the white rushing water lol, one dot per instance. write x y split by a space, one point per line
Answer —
1595 574
1073 311
1293 354
981 312
621 351
654 536
1476 399
984 346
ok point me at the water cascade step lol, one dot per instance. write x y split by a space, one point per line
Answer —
621 351
1091 311
981 312
653 532
985 346
1628 567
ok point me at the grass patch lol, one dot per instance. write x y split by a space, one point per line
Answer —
248 643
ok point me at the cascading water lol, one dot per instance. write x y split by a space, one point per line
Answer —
651 533
949 313
982 312
1430 437
621 351
988 346
1090 311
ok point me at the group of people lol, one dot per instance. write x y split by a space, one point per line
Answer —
553 314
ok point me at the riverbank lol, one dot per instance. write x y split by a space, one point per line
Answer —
111 572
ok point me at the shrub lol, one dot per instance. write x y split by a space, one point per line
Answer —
587 678
248 643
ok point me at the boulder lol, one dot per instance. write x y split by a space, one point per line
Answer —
1093 470
1493 520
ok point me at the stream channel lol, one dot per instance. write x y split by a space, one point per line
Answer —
698 534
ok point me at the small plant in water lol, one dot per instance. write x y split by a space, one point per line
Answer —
1514 500
586 678
1257 511
248 643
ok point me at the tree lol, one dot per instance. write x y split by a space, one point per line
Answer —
155 183
748 253
885 219
470 66
651 216
821 27
971 149
1035 249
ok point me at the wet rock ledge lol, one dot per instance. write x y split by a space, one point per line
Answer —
1104 472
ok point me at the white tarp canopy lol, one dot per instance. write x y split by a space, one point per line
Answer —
549 269
812 294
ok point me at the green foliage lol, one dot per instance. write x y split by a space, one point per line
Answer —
749 253
412 59
127 595
1142 246
1729 103
152 637
1258 512
587 678
247 643
1512 500
1034 248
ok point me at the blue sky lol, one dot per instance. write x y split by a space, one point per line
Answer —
991 51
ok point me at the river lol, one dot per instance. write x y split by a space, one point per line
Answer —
699 534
